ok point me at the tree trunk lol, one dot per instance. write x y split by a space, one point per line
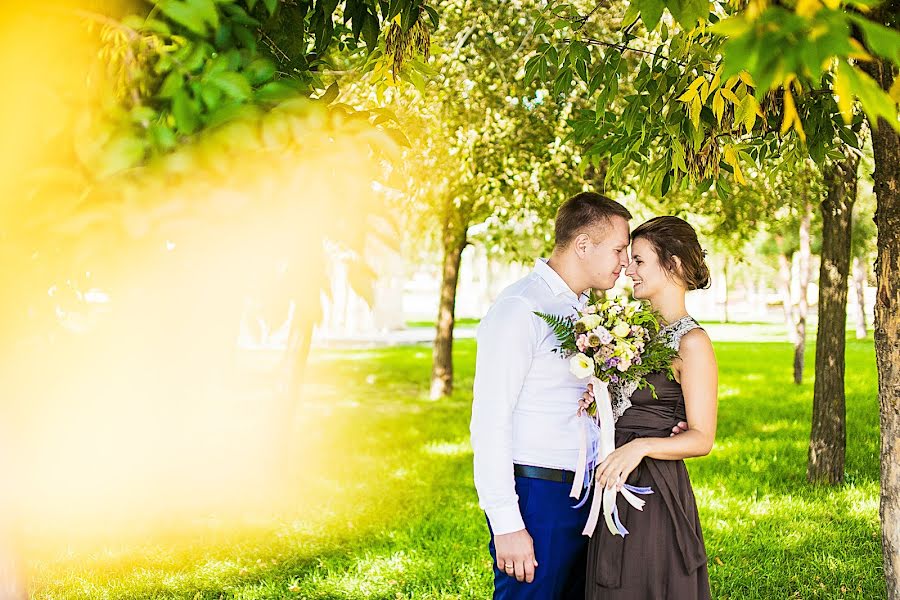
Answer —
784 289
828 438
803 256
454 242
886 147
859 287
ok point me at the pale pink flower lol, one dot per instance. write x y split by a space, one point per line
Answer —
581 342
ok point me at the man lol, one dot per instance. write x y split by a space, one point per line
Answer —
524 426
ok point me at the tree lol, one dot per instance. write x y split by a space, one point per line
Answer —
169 78
187 158
486 150
752 81
828 438
886 149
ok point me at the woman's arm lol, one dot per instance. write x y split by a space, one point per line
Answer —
699 383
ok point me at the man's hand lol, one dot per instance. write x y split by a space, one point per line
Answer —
515 555
680 428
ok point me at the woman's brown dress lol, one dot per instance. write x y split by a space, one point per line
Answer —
662 557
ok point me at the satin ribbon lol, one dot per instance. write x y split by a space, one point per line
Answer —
607 498
604 500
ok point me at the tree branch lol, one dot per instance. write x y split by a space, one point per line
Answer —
273 46
626 48
583 20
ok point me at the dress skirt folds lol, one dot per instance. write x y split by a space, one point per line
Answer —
663 557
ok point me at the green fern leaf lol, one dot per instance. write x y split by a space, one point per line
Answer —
563 328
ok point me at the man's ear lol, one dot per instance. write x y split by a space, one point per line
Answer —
582 243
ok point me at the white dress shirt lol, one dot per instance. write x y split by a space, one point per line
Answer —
525 399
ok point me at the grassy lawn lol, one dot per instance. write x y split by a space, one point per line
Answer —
381 504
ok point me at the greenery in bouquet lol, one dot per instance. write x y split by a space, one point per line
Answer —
617 340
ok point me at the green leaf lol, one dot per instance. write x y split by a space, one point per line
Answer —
232 84
370 32
747 111
271 6
563 81
171 84
229 112
186 15
154 25
433 15
651 11
665 183
162 136
732 27
631 15
260 70
185 111
562 327
330 94
207 11
122 152
874 100
879 39
394 9
532 67
246 37
277 90
688 12
211 96
239 15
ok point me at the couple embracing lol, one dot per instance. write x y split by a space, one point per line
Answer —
525 428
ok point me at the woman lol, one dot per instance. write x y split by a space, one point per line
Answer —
663 556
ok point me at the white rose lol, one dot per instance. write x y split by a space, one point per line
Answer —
621 329
581 366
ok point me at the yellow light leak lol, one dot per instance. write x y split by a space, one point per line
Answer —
138 408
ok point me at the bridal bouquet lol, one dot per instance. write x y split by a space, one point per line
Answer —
612 340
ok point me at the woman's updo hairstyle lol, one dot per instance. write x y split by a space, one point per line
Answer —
671 237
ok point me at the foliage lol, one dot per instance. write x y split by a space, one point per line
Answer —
189 65
487 152
563 327
714 87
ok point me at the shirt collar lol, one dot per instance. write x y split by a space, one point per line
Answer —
553 280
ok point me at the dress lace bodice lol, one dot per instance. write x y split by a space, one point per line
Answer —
620 394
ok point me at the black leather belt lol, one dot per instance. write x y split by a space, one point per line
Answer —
557 475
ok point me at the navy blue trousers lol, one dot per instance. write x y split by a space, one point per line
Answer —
559 548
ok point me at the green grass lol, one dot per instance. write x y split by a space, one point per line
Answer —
463 322
388 510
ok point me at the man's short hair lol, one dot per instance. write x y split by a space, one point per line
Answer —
585 211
